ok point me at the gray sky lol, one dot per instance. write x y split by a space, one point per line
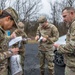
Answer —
45 5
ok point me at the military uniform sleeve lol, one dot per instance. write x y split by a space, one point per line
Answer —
4 55
8 38
21 33
70 46
38 31
55 35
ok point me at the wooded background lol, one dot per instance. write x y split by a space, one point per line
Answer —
29 11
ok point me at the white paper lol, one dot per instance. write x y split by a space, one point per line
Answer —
15 40
40 39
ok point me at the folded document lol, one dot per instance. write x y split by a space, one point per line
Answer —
15 40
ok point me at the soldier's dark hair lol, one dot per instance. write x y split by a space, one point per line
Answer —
5 14
69 8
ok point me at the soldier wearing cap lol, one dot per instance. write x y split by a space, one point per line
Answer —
8 18
68 50
48 34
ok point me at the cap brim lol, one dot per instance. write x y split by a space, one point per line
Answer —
16 23
40 23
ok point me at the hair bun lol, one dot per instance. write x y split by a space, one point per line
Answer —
1 11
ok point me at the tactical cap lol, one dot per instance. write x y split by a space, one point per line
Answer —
13 14
42 19
21 25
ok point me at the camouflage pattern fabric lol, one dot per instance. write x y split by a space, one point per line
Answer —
42 19
4 53
68 71
51 33
46 49
69 49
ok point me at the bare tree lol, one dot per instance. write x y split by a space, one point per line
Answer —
28 9
2 4
67 3
55 12
57 7
70 2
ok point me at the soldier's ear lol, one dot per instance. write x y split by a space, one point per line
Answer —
1 11
8 18
72 12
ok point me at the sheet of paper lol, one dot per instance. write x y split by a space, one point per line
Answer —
15 40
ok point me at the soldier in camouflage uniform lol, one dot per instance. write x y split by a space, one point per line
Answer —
8 18
68 50
20 32
50 34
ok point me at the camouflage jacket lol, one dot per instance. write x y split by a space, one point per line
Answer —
69 49
51 33
4 53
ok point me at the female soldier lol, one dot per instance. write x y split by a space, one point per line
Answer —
8 18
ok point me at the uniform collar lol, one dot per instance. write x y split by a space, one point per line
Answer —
2 29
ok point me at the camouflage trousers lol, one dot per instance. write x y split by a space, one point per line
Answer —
68 71
49 57
4 72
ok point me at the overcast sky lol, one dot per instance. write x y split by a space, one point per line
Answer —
46 6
